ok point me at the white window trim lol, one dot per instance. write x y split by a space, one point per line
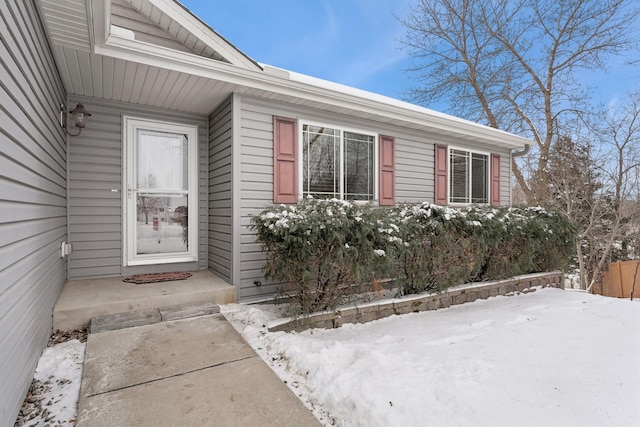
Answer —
488 178
129 255
342 130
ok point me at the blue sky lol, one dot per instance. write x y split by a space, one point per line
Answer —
353 42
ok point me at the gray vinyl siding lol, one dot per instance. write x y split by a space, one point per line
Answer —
220 191
32 199
414 173
95 190
147 31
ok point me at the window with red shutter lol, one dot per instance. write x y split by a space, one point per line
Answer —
462 176
336 163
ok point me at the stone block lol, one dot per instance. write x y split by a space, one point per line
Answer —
458 298
351 317
472 295
368 309
432 303
445 301
416 306
386 310
484 293
370 316
404 307
358 318
301 324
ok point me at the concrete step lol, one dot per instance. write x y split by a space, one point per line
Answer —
81 300
129 319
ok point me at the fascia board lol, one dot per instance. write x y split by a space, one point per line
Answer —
314 89
99 17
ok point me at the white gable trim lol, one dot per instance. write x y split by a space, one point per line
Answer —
185 18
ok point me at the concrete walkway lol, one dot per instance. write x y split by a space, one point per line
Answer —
190 372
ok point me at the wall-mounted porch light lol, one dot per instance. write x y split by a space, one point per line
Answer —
78 117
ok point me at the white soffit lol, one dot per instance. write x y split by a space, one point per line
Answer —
67 24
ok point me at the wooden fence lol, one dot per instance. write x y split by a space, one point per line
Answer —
621 280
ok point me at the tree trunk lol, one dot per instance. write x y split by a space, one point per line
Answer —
583 271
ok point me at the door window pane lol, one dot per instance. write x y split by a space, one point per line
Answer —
162 223
162 160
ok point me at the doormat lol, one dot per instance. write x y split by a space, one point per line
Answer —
139 279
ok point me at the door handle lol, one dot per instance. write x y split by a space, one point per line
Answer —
131 190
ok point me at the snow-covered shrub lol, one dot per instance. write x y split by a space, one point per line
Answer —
445 246
438 248
521 240
324 252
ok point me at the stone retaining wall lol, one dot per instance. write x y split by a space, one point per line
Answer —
422 302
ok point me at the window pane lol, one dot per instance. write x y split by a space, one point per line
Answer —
162 160
358 166
320 148
479 193
162 223
458 178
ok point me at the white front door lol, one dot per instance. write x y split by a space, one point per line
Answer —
160 192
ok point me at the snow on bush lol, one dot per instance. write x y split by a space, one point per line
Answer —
328 252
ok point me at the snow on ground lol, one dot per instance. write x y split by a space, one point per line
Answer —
54 392
548 358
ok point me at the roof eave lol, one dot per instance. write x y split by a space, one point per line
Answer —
305 87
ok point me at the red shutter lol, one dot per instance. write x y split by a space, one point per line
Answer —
285 160
387 195
495 180
441 179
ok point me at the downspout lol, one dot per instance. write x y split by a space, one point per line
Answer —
523 152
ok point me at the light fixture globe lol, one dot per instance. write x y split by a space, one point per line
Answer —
79 115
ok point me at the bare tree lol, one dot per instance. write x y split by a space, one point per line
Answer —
512 64
615 222
146 203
